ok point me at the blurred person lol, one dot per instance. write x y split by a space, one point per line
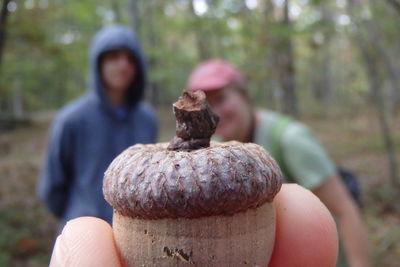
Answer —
90 132
298 153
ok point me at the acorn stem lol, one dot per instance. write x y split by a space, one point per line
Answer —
195 122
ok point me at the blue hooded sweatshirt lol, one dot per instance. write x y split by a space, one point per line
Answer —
89 133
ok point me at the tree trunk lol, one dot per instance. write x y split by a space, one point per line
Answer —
3 26
376 89
116 10
270 45
321 69
321 74
395 4
153 42
388 64
201 42
285 61
371 65
135 17
148 38
18 108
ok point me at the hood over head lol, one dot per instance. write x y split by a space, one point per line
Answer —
112 38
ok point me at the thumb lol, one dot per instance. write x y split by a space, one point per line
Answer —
306 233
85 241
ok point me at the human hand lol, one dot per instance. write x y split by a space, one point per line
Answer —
306 235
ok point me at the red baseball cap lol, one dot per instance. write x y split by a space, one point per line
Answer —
213 74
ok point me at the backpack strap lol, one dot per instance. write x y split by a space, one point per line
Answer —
278 129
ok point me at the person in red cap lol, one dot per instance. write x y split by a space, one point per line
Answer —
299 154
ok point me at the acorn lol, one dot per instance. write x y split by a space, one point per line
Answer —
193 201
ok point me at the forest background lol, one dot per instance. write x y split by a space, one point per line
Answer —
333 64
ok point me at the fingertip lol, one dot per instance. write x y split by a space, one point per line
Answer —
85 241
306 233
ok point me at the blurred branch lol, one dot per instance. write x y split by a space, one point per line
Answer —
395 4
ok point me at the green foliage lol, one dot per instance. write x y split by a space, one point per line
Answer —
45 54
46 47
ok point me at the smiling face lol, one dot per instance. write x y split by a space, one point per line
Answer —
118 70
234 111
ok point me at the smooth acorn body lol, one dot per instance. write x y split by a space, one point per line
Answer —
242 239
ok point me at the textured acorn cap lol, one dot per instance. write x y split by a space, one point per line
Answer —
151 182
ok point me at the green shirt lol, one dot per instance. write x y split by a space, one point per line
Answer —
302 158
299 154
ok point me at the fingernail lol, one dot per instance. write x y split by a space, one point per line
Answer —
58 258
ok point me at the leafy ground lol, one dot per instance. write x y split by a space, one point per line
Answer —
352 138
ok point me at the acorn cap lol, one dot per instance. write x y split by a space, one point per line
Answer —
152 182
